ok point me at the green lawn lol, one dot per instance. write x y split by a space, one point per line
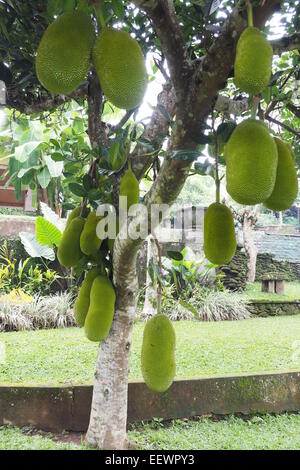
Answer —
65 355
253 292
260 432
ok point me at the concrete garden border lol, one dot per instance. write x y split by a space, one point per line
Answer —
58 408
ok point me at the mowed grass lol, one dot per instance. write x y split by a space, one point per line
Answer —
253 292
66 356
257 433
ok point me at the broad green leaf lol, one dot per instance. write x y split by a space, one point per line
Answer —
47 233
34 248
77 189
55 168
176 255
44 177
22 152
50 215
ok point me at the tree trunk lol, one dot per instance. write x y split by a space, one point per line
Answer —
250 248
150 305
108 421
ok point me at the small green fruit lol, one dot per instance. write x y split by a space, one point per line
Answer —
158 353
82 303
101 310
89 241
286 187
251 163
129 187
219 234
253 61
69 252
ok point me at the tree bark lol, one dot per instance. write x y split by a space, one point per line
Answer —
150 304
249 221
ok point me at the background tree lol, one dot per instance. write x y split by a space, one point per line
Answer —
194 48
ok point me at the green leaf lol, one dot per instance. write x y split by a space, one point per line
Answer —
55 168
175 255
34 248
50 215
44 177
225 130
118 8
189 307
22 152
47 233
87 182
77 189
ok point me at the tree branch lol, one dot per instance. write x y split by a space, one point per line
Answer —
286 43
231 106
156 131
166 24
282 124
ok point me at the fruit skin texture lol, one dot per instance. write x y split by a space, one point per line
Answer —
89 242
63 56
286 186
101 310
69 252
158 353
219 234
120 66
253 61
82 303
251 163
129 187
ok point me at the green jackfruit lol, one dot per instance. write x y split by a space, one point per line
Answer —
89 242
251 163
158 353
129 187
120 66
76 213
82 303
69 252
286 186
219 234
63 56
101 310
253 61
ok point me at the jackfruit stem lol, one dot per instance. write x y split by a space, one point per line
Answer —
99 16
250 13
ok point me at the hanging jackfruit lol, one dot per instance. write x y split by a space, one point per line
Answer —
82 303
69 252
251 163
89 241
76 213
129 187
63 56
253 61
101 310
120 66
158 353
286 186
219 234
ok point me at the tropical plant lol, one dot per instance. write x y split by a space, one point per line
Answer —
42 312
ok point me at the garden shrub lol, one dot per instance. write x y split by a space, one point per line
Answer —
42 313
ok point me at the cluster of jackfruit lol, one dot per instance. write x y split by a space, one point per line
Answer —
259 168
64 56
95 303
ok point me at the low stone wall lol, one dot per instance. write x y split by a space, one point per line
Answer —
266 308
68 407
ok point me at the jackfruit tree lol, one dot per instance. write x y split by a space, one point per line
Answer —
213 91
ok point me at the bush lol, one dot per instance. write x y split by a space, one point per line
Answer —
210 304
43 312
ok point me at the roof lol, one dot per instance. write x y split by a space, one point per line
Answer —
283 247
